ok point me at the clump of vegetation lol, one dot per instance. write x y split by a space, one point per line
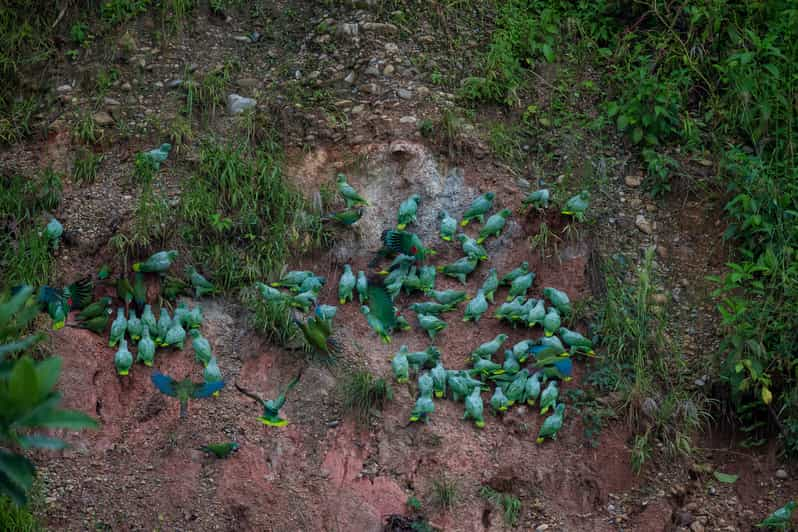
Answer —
85 167
272 319
17 518
445 493
363 394
510 505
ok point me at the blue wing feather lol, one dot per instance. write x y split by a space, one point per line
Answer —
165 384
207 389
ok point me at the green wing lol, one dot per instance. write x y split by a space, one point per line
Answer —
380 304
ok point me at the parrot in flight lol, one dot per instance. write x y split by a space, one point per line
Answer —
271 407
350 195
479 207
184 390
407 212
404 242
220 450
158 262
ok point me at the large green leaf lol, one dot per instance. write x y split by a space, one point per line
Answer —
726 478
19 345
60 419
48 371
12 490
42 442
24 383
17 469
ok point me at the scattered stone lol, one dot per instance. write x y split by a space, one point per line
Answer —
781 474
388 70
700 383
110 102
342 103
372 70
542 528
102 118
697 527
391 48
159 84
350 78
659 299
369 88
350 30
704 162
356 110
127 87
643 224
238 104
633 181
712 490
684 518
379 27
662 252
174 83
422 91
64 88
404 94
408 120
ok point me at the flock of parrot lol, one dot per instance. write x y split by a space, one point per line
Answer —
407 271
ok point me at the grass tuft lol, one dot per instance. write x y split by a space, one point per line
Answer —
363 394
510 505
445 493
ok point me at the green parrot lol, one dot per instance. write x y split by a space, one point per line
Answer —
552 424
326 312
269 294
536 314
172 286
548 398
423 408
362 286
407 211
499 401
175 336
350 195
577 342
426 277
508 279
474 407
78 294
382 315
96 324
134 326
103 272
162 327
780 519
551 321
148 319
511 310
271 407
432 324
532 388
58 310
461 384
304 300
139 291
479 207
424 359
448 297
425 383
521 350
53 301
212 373
476 307
375 323
312 284
201 346
124 290
401 262
404 242
96 309
220 450
157 263
494 225
520 285
184 390
538 199
559 299
488 349
400 365
118 328
318 335
180 314
53 232
511 366
460 269
292 279
490 284
577 205
402 324
471 248
158 155
439 375
515 390
123 360
201 285
448 226
345 217
430 307
146 348
346 285
194 318
485 367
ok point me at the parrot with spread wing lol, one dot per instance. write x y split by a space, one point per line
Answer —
184 390
271 407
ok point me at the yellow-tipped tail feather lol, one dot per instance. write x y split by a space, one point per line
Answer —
136 266
123 373
479 424
438 394
58 325
539 440
464 223
270 423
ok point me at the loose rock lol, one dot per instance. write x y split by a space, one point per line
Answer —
643 224
633 181
102 118
238 104
404 94
781 474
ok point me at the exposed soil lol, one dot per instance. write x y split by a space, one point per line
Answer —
142 469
